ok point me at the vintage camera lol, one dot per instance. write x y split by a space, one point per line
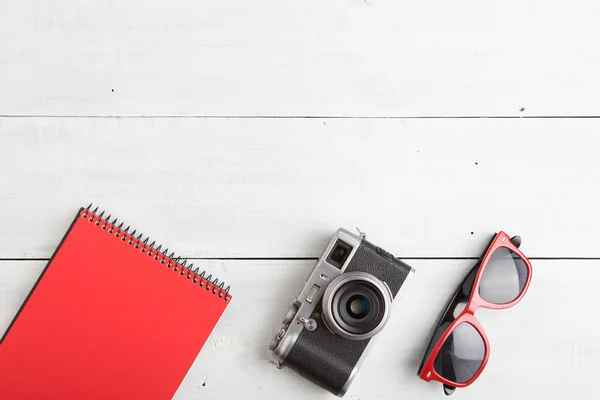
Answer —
346 301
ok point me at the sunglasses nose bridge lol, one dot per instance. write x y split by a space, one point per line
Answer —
474 304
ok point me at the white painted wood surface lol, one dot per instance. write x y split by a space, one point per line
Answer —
272 57
188 119
546 347
279 188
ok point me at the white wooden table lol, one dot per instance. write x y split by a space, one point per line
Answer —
244 133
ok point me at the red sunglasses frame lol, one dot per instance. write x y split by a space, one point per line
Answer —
468 314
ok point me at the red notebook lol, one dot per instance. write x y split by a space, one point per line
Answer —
111 317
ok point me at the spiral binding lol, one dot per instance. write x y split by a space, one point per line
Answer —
160 255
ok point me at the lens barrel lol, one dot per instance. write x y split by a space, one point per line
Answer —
356 305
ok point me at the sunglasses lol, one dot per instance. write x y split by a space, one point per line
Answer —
459 348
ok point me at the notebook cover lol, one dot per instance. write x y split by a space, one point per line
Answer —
109 318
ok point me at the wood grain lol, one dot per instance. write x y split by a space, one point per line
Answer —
263 188
335 58
545 347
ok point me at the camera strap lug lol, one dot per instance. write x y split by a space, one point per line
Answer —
277 364
361 233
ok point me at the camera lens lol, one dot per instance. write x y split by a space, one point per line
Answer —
356 305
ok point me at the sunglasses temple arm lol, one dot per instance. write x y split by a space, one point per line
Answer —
516 241
448 390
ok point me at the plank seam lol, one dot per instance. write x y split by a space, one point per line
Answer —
366 117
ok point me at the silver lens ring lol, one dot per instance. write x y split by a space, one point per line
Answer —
339 298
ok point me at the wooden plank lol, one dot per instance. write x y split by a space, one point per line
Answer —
545 347
342 58
279 188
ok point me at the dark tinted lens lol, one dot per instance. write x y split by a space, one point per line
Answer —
455 307
504 277
461 355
